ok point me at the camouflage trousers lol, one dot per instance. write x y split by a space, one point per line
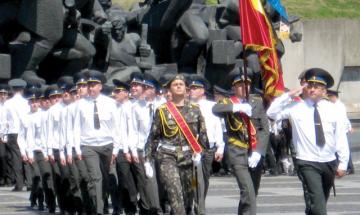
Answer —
177 174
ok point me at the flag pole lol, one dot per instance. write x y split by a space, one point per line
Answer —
245 81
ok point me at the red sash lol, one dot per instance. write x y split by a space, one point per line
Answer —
250 127
184 127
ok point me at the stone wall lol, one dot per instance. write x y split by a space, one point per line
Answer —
333 45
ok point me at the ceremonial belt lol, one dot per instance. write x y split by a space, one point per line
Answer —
184 127
249 125
237 142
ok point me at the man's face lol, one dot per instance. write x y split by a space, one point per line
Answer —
34 105
177 88
196 93
149 92
136 89
3 97
94 89
239 89
45 103
121 95
218 97
55 99
67 98
118 30
82 90
315 91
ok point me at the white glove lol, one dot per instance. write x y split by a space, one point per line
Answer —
244 107
196 159
254 159
149 172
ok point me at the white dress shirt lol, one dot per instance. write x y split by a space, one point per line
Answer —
124 112
213 126
301 116
141 120
54 129
21 138
4 125
17 108
342 111
33 134
84 131
67 125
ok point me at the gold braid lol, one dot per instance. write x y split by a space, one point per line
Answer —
172 131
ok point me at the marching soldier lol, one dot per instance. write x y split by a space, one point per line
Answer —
4 178
198 86
127 186
78 172
318 133
95 126
176 140
56 151
241 137
17 108
38 152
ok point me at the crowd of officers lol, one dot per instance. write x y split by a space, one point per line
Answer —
79 143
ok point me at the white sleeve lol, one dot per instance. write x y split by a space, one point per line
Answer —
278 109
342 145
50 133
220 144
116 130
133 126
77 129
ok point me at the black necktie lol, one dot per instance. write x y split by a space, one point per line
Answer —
151 110
319 132
96 117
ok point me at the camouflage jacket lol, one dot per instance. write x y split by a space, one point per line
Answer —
164 129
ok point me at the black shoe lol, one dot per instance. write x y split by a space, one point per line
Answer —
41 207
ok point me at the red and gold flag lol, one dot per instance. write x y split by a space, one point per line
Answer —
257 35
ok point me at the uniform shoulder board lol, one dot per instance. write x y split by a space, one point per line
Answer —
162 106
194 104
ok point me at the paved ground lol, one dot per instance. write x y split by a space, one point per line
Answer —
278 195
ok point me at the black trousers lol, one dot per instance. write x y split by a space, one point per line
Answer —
256 173
16 160
127 185
61 176
46 179
78 185
97 160
238 159
317 179
3 164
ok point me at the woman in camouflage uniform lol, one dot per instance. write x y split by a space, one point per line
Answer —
168 145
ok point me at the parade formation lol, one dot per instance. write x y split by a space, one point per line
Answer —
107 111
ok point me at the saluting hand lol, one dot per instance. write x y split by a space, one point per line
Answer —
297 91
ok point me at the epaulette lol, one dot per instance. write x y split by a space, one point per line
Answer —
194 104
162 106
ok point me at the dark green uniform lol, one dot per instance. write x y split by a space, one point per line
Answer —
168 146
237 153
261 124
